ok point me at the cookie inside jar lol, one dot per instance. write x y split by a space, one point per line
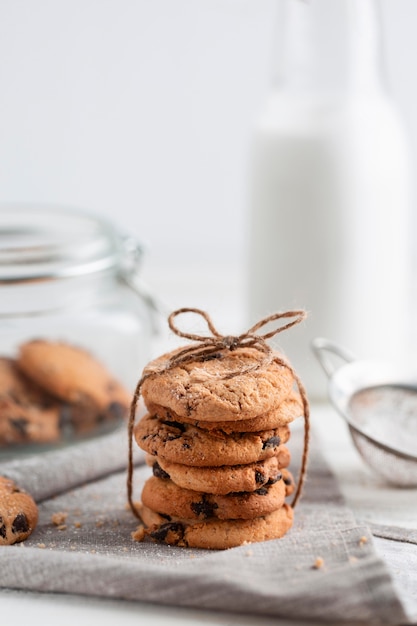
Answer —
74 326
53 391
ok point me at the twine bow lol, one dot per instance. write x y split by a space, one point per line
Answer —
204 348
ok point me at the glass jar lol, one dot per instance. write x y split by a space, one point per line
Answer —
69 279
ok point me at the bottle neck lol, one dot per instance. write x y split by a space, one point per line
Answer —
328 47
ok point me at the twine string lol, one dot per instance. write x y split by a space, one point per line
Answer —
206 346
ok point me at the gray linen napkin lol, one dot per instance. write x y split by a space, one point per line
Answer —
92 552
51 473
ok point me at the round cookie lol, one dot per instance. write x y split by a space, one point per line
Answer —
73 375
24 425
201 390
215 534
182 443
27 413
170 500
226 478
288 410
18 513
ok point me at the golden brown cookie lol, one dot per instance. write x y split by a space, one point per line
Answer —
76 377
170 500
28 414
287 411
201 390
224 479
214 534
182 443
18 513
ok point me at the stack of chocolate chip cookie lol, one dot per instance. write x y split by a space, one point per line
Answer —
215 439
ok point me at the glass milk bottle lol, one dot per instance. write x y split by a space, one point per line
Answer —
329 218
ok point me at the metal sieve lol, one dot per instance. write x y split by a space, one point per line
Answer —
379 403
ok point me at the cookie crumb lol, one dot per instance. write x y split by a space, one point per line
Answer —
363 540
249 553
318 563
139 534
62 527
77 524
99 523
41 545
59 518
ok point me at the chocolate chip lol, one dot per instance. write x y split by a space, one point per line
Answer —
186 446
101 417
116 411
2 528
20 424
20 524
165 516
272 442
172 436
160 534
275 479
259 477
287 480
262 491
204 508
159 472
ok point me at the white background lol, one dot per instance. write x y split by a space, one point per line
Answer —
143 110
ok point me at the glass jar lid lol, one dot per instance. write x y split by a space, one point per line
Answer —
46 243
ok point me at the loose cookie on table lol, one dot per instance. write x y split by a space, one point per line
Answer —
214 534
18 513
201 390
170 500
226 478
288 410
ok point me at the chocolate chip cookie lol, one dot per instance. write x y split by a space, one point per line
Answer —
75 377
226 478
28 414
288 410
182 443
18 513
201 390
170 500
214 534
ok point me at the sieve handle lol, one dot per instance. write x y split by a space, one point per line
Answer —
322 348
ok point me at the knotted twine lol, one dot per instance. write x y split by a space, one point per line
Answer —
206 346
